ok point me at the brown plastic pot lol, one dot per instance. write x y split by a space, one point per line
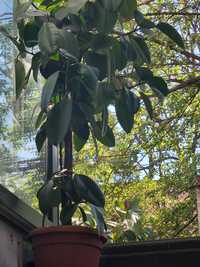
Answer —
66 246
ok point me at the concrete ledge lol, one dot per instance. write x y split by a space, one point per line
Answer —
17 213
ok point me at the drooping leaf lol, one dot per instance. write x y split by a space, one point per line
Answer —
81 135
67 213
51 39
124 112
142 21
89 79
108 139
20 77
159 85
41 137
171 32
49 196
40 119
88 190
58 121
98 213
127 8
99 61
111 5
144 74
141 49
71 7
148 104
48 90
105 20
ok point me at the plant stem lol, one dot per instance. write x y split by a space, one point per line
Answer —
68 162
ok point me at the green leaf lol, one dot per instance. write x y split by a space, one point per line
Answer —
83 214
105 20
40 119
141 21
35 65
47 38
144 74
49 196
30 34
99 61
108 139
48 90
81 135
127 8
148 104
89 79
71 7
99 218
159 85
20 77
141 49
123 108
88 190
118 57
171 32
58 121
41 137
51 39
20 10
111 5
67 213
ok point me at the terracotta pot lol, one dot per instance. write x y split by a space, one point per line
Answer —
66 246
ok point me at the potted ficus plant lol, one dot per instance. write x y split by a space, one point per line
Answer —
93 54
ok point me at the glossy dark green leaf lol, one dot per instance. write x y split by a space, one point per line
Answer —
20 77
118 57
127 8
148 104
40 119
123 111
80 137
88 190
142 21
48 196
98 213
141 48
111 5
171 32
101 41
108 139
51 38
89 79
41 137
58 121
105 19
30 34
71 7
159 84
144 74
67 213
48 90
99 61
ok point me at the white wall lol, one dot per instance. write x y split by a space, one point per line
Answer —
11 244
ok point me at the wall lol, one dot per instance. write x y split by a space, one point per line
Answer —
11 246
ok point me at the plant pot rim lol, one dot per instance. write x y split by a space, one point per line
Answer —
67 229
